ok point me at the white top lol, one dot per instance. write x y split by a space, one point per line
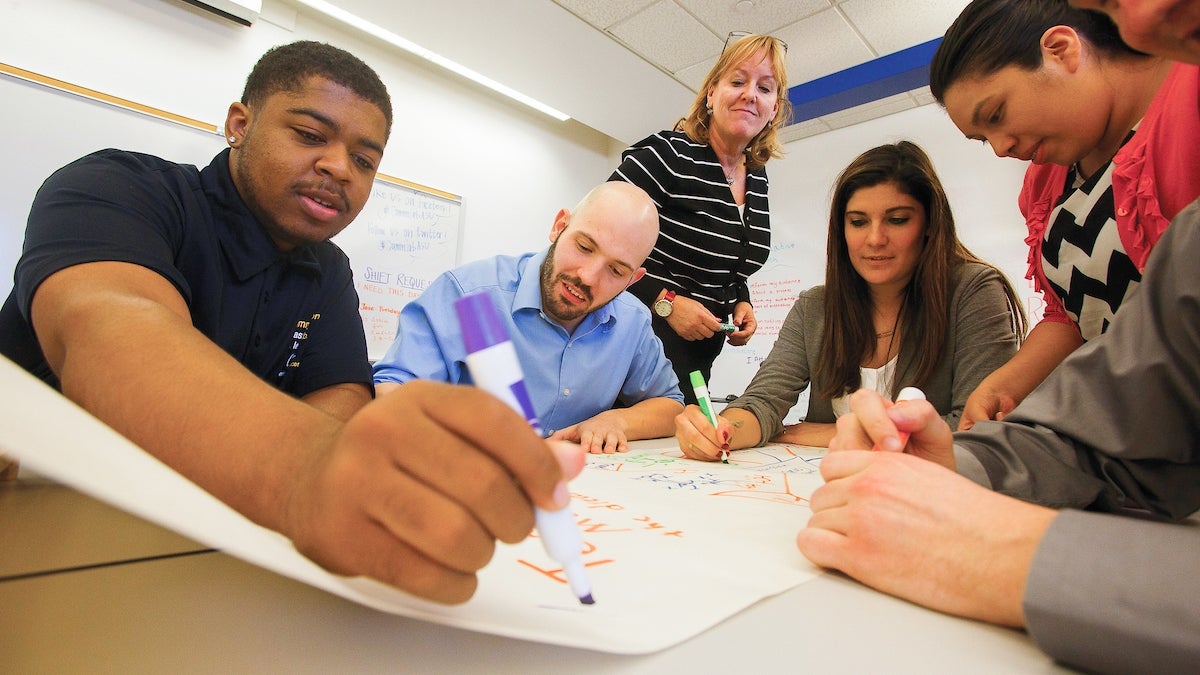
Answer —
876 379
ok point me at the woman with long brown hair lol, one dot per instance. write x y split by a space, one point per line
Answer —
904 304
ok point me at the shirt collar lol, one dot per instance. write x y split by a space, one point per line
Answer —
529 295
243 239
529 286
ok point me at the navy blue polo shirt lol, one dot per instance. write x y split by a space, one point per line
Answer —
290 317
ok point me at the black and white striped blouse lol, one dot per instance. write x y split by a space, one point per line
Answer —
706 248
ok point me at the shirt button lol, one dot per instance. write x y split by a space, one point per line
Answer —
566 392
1122 212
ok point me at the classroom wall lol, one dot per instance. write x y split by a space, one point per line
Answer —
513 166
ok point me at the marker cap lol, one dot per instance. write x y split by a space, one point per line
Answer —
481 323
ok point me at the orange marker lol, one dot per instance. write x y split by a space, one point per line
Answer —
906 394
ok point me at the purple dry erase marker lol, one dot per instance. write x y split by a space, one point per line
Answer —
491 356
494 366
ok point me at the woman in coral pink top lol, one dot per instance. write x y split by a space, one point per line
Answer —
1112 136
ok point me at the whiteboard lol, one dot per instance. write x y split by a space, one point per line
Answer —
773 290
403 239
405 236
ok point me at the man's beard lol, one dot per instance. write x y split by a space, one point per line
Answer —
551 303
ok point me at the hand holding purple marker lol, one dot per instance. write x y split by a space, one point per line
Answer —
494 366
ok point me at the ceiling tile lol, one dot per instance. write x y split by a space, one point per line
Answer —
756 16
661 49
822 44
604 13
870 111
923 96
693 76
891 25
666 35
803 130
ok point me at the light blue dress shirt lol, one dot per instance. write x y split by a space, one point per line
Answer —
612 356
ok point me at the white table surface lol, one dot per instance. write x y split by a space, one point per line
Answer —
195 611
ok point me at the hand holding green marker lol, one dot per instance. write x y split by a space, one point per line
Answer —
702 398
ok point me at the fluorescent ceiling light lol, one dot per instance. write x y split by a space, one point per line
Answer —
391 38
241 11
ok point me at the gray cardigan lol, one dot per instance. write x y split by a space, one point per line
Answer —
980 339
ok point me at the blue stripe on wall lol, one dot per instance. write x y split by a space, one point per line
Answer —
885 76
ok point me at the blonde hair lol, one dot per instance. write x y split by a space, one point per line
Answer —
766 144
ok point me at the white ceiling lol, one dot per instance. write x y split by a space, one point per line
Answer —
630 67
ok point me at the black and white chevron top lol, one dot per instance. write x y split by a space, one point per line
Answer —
1082 254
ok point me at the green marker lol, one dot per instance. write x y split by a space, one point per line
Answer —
702 398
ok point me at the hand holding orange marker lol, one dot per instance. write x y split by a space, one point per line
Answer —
906 394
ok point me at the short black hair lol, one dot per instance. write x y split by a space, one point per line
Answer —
285 67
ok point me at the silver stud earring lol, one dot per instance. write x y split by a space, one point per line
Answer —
233 139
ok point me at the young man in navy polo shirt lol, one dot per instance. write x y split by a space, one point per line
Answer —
203 314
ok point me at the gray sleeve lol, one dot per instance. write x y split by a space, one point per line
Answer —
969 467
786 371
1113 594
1119 420
982 334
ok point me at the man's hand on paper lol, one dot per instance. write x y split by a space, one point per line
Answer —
898 524
897 521
605 433
420 484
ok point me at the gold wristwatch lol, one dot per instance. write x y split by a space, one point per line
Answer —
663 306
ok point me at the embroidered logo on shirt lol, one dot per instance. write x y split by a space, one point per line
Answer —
298 338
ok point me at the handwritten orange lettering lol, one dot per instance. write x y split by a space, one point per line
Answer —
587 525
558 574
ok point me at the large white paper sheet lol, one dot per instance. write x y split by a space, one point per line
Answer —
672 546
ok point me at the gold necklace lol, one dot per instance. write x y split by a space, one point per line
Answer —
890 334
